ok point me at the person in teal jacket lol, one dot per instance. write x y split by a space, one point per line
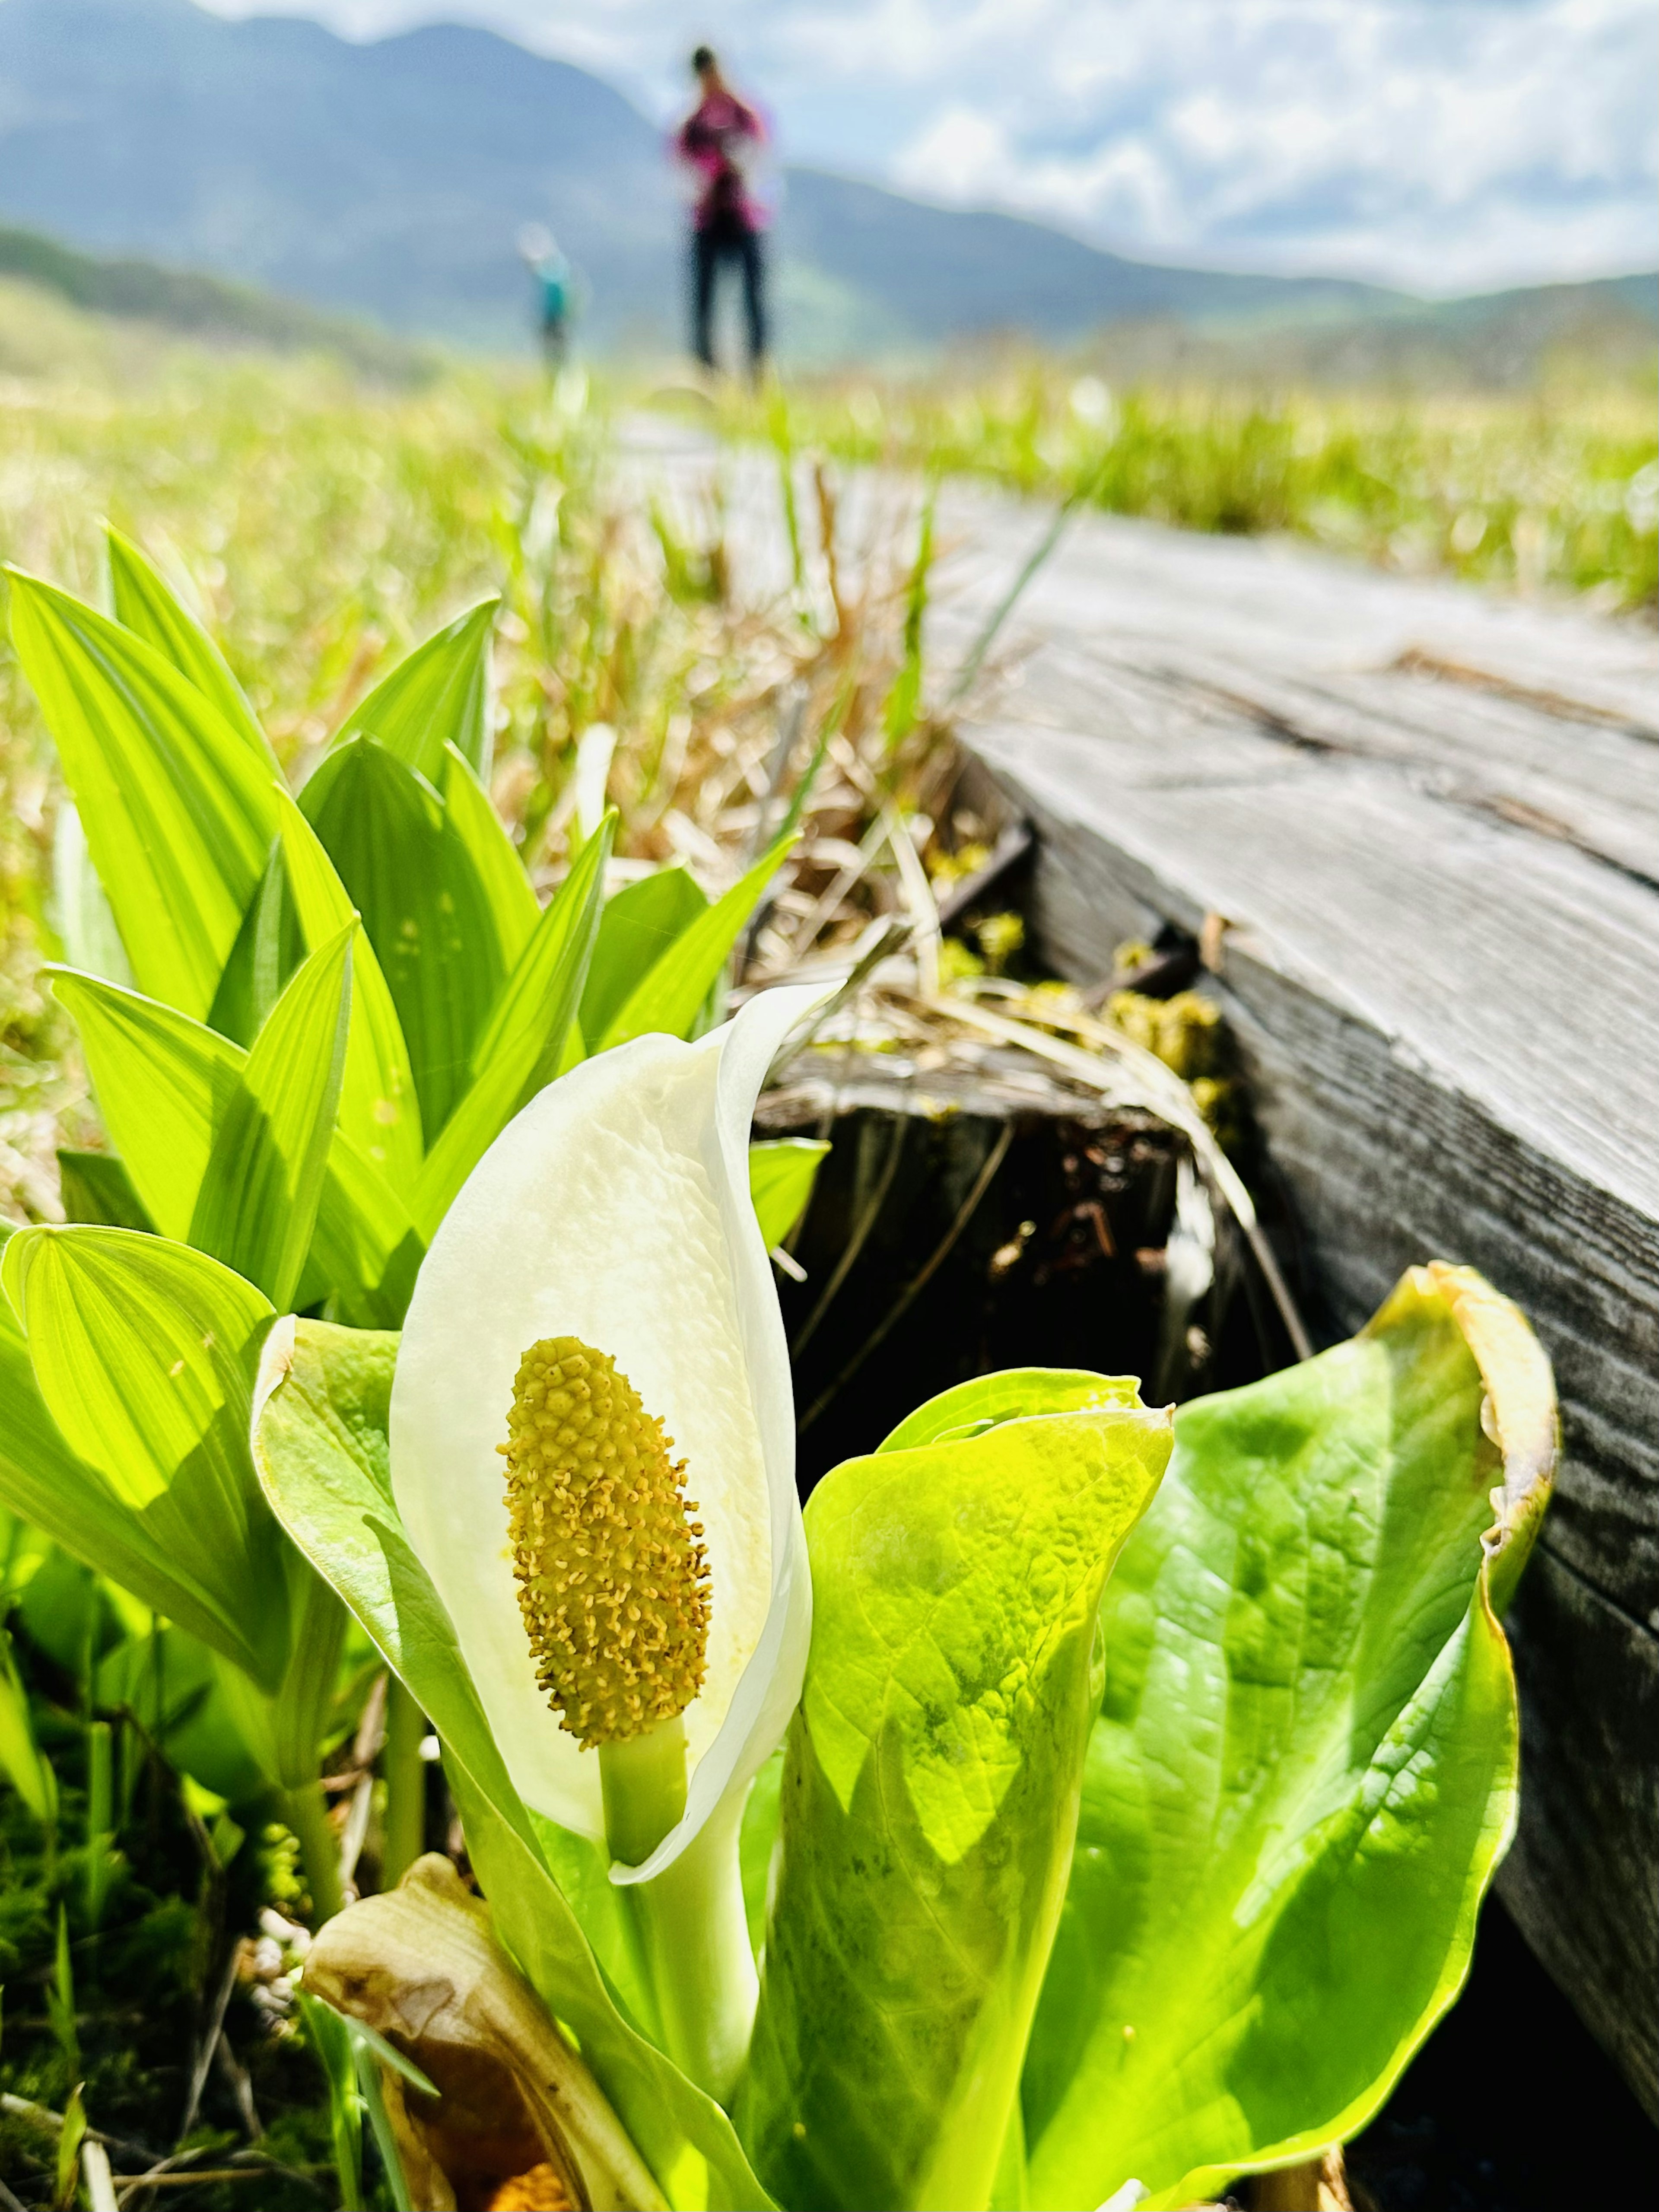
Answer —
558 291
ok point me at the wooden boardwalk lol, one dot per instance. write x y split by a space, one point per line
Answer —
1430 821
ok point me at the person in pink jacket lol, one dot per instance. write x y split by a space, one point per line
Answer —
718 147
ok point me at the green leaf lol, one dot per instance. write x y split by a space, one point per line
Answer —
144 605
672 995
519 1051
781 1179
1013 1395
930 1795
378 1108
166 1086
320 1441
257 1206
131 1448
178 811
270 945
80 912
437 696
474 822
424 904
23 1762
636 928
1303 1772
95 1186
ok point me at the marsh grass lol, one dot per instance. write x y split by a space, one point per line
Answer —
1556 491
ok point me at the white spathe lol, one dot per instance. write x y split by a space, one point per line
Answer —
616 1208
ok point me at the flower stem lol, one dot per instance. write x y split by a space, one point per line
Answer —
644 1783
319 1849
689 1921
406 1784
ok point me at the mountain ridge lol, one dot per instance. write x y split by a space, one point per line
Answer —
388 178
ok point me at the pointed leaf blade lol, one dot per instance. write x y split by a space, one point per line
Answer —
521 1048
145 605
637 927
781 1179
425 909
672 995
257 1206
178 811
476 826
379 1110
437 696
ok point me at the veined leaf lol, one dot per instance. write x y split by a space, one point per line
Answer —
781 1179
320 1441
379 1110
1303 1772
164 1086
930 1795
520 1050
145 605
85 928
437 696
143 1353
270 945
672 996
427 912
43 1482
178 809
95 1186
257 1206
475 823
636 928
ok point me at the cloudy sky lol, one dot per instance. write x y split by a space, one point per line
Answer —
1442 144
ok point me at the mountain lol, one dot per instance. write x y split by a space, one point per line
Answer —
389 180
181 304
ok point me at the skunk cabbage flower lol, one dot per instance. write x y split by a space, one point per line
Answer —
592 1452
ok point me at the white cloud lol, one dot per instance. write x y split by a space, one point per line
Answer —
1441 143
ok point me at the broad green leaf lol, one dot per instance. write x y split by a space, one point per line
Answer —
145 605
257 1206
165 1086
142 1355
80 912
426 910
672 995
378 1108
43 1482
930 1795
636 928
1015 1393
520 1050
475 822
780 1178
270 945
178 809
23 1762
1303 1772
320 1441
437 696
95 1186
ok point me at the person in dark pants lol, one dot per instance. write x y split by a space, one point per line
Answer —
717 146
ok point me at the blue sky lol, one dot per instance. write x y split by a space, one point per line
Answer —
1446 145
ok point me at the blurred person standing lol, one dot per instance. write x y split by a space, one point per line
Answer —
718 147
558 288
